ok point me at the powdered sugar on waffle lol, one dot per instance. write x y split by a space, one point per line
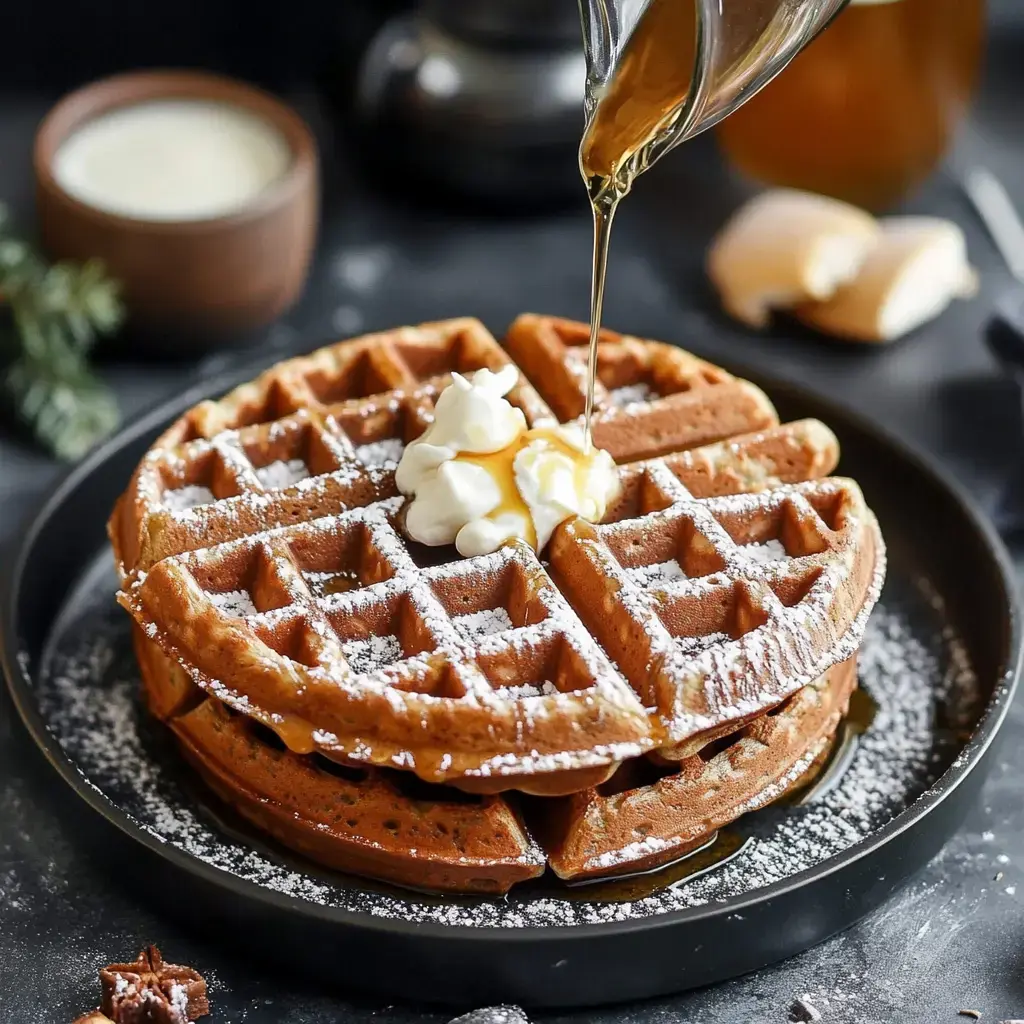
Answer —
460 639
780 657
768 551
631 394
372 653
544 689
187 502
235 602
477 625
796 644
281 474
661 572
642 848
321 584
192 496
911 662
695 644
385 452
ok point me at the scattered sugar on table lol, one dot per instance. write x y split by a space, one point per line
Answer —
493 1015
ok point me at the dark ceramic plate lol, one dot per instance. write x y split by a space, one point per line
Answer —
940 660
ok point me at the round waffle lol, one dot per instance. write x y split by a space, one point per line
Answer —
273 590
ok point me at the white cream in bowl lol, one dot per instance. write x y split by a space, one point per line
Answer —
172 160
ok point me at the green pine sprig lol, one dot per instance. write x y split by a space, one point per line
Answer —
50 317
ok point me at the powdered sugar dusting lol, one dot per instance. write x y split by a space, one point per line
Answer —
385 452
630 394
179 1000
661 572
234 602
494 1015
767 551
477 625
543 689
192 496
912 663
278 475
322 584
372 653
696 644
641 848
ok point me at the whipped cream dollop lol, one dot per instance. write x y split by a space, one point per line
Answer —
479 477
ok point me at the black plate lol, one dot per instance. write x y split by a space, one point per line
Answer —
941 657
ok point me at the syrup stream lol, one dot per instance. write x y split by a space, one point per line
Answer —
604 203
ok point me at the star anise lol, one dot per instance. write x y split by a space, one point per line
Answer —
150 991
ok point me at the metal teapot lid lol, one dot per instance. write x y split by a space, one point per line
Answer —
544 24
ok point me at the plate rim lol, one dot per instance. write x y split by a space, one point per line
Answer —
21 687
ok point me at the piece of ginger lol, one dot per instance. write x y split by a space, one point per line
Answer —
786 247
917 268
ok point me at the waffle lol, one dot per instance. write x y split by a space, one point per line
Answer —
652 814
278 606
386 824
382 823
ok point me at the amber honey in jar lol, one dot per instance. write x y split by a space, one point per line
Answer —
866 112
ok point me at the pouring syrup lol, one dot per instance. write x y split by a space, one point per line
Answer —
684 65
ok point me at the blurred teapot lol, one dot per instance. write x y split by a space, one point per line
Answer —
477 99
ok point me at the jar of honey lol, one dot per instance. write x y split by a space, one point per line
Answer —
868 109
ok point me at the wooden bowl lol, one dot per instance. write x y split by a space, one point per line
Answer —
212 279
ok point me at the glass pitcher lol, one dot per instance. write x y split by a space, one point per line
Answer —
660 71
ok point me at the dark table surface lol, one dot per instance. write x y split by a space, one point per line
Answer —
953 940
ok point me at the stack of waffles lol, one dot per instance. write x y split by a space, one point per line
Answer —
464 724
